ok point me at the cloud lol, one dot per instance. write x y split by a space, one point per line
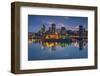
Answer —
60 24
65 17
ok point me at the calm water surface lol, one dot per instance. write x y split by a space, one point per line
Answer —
57 50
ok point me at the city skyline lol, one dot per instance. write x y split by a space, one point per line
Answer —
57 37
35 22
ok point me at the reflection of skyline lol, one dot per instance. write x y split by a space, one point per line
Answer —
53 45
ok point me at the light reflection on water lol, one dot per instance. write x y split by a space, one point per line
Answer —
46 50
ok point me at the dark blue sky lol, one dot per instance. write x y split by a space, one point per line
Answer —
35 22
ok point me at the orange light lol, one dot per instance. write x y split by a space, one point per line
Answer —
52 36
50 44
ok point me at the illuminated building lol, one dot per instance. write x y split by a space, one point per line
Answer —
52 36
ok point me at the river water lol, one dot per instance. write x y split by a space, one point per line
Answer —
57 50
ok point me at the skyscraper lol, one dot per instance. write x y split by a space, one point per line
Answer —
43 28
81 31
53 28
63 30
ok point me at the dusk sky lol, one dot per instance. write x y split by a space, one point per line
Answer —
35 22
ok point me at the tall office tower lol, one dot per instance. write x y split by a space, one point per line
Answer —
43 28
53 28
81 30
50 30
63 30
